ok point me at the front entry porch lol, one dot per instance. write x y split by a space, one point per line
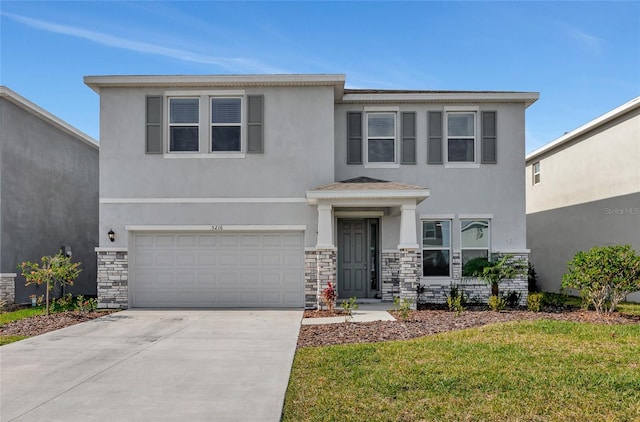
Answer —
349 252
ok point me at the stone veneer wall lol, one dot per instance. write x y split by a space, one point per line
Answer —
7 288
390 273
476 290
113 279
409 274
319 270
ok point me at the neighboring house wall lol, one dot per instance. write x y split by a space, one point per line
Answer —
49 192
588 193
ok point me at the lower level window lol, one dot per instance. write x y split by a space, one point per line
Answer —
474 240
436 248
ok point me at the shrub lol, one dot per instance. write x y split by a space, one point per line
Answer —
402 306
474 267
512 299
604 275
421 289
329 296
456 300
349 306
534 302
499 270
497 303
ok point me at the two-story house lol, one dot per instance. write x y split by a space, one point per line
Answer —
257 190
583 190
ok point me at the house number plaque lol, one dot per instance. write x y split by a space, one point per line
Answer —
217 227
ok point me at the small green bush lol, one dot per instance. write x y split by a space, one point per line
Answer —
604 275
534 302
456 299
532 278
349 306
402 306
512 299
497 303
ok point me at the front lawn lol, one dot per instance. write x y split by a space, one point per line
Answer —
8 317
535 370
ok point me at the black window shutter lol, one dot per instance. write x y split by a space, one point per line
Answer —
153 136
489 138
434 138
255 124
354 137
408 147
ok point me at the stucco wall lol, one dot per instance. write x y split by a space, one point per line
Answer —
556 235
298 155
600 164
496 189
49 190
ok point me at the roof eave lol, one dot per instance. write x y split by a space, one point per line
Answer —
593 124
527 98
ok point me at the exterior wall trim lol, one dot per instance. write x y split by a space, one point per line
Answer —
202 200
220 228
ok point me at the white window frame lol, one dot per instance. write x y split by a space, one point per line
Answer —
535 169
436 248
205 124
461 110
381 110
241 124
170 125
463 248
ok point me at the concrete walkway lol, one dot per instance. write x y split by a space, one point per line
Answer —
152 365
366 312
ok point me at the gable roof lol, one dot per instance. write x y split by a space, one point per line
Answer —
593 124
47 117
363 188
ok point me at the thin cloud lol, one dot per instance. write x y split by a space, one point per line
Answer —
588 41
230 63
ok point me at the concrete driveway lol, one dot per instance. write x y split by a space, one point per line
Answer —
153 365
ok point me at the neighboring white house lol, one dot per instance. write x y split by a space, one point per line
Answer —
257 190
583 190
48 195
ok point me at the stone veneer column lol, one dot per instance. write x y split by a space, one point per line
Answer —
113 279
310 279
7 288
409 274
519 284
390 274
326 271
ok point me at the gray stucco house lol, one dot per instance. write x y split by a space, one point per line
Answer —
257 190
48 195
583 190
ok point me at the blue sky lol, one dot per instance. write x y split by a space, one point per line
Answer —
583 57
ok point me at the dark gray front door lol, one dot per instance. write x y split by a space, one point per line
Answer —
352 258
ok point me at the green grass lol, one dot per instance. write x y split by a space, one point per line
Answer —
7 317
10 339
629 308
525 371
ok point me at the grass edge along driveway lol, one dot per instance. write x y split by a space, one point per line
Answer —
541 370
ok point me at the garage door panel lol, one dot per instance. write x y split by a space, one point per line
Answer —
218 270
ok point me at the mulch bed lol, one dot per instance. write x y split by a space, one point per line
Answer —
41 324
427 322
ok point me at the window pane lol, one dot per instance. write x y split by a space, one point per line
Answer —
183 138
435 263
225 110
436 233
475 233
460 150
184 110
225 138
381 151
468 255
381 125
460 124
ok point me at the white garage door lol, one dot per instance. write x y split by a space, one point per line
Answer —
217 270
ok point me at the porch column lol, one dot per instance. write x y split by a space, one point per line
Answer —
408 230
325 227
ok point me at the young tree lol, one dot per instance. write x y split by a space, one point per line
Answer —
604 275
498 270
56 270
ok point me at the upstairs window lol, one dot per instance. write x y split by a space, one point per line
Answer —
436 248
461 137
536 172
184 120
226 124
381 137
